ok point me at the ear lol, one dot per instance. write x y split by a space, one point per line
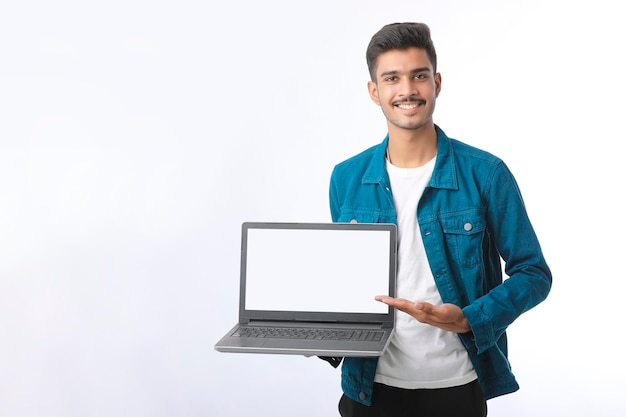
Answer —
437 84
373 90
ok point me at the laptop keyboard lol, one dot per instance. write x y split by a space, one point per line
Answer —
310 333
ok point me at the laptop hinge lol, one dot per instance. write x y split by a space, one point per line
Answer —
267 323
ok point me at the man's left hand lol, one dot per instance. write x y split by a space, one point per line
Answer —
447 316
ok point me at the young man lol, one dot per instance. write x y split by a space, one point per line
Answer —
459 211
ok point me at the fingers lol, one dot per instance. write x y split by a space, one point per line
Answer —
447 316
406 306
399 303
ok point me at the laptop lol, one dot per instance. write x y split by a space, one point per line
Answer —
309 288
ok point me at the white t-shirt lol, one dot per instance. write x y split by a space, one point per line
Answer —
419 355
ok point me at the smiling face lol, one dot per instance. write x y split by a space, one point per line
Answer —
406 89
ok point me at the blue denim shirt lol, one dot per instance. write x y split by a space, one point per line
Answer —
470 216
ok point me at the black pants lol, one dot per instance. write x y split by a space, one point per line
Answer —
463 401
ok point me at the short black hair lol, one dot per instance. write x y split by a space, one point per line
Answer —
400 36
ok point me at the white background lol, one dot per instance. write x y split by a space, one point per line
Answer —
136 136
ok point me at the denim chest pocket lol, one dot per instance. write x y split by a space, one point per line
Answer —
350 215
464 234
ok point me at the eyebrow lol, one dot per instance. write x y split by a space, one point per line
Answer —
414 71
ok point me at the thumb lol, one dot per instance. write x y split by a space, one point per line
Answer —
424 306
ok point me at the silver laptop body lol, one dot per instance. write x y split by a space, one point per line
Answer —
319 279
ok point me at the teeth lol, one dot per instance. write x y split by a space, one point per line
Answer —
407 106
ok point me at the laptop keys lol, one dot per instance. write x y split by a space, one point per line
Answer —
309 333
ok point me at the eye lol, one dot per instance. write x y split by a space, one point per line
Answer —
420 76
391 79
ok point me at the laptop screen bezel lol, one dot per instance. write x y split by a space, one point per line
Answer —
386 319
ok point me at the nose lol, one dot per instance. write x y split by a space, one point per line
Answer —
407 87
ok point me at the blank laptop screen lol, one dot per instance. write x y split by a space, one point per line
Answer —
317 270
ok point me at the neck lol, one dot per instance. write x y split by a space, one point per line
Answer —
412 148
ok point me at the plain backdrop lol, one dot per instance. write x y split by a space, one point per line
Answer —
136 136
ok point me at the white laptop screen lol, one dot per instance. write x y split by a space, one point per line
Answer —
313 270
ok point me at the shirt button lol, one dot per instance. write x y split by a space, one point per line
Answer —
467 227
362 395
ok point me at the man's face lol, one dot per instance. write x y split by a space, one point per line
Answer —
406 88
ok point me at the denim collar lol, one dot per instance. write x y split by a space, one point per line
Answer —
444 173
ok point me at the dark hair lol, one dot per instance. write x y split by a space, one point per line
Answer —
400 36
